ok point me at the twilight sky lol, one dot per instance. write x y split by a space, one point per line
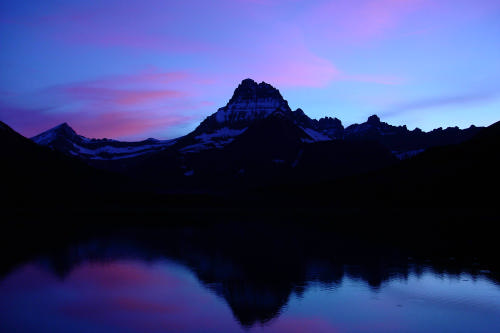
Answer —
133 69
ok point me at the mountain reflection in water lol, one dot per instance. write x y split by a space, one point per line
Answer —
200 280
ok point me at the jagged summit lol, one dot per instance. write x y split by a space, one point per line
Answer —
58 132
373 120
248 90
64 125
64 138
251 101
64 128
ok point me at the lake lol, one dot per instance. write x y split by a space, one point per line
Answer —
197 281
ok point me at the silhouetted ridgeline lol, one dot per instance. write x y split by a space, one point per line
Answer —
255 140
446 194
40 182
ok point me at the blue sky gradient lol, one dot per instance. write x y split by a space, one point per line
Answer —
151 68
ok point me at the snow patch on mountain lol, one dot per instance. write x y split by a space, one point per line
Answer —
315 135
217 139
407 154
114 153
221 133
251 103
44 138
248 110
66 140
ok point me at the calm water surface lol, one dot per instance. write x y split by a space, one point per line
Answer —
115 285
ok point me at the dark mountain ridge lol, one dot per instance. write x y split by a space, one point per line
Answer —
272 150
445 194
39 180
64 139
256 139
444 197
249 103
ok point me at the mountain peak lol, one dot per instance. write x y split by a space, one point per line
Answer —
299 112
62 125
64 129
61 130
373 120
249 91
250 101
248 82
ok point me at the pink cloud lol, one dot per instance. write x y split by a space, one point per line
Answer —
153 76
117 96
284 59
132 124
121 106
303 70
127 124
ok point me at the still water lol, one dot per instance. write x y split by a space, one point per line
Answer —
179 283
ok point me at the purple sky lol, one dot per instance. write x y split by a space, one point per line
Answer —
156 68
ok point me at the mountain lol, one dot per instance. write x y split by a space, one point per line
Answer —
38 179
250 103
446 195
64 139
255 139
272 150
403 142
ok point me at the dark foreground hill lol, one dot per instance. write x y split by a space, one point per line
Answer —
195 159
40 182
273 150
444 183
446 194
445 198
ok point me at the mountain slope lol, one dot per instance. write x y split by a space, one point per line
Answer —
272 150
447 193
39 179
252 102
64 139
403 142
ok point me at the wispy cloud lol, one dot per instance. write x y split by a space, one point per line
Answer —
128 106
471 98
118 97
286 60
